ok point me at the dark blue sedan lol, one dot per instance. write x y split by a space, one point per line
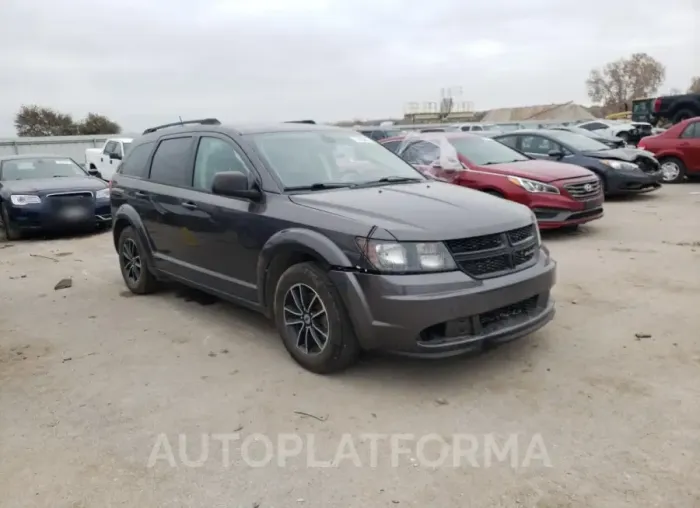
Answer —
48 192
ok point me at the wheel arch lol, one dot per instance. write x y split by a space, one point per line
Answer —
288 248
127 216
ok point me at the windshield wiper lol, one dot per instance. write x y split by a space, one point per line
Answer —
319 186
393 179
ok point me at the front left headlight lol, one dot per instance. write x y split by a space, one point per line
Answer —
533 185
102 194
402 257
24 199
620 165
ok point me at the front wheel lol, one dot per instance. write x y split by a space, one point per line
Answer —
132 262
672 170
11 231
312 320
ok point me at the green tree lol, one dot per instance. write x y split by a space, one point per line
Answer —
35 120
617 83
95 124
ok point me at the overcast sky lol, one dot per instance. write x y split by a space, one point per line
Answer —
150 61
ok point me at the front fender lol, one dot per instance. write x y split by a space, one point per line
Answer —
298 240
125 216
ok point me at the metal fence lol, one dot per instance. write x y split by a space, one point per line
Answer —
66 146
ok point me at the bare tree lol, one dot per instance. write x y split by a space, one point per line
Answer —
694 85
621 81
38 121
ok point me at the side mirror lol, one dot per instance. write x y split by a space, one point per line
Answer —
556 154
94 172
115 156
234 184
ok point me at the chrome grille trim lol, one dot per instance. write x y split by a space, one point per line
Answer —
584 191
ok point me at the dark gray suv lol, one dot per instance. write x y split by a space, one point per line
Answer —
340 241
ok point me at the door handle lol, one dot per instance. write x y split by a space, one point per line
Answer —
102 159
140 194
189 205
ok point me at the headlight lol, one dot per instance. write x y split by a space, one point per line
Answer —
533 185
102 194
22 199
620 165
396 257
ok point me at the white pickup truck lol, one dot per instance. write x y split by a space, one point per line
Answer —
105 160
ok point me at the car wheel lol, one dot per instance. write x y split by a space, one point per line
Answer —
683 114
11 231
137 276
494 193
312 320
672 170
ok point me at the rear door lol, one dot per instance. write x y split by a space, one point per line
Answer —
166 222
690 146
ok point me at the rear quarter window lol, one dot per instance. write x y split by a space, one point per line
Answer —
136 162
172 162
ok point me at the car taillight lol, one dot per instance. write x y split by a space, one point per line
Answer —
110 184
657 105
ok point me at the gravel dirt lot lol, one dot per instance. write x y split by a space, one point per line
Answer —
91 376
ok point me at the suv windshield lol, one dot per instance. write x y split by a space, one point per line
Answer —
484 151
579 142
29 169
334 158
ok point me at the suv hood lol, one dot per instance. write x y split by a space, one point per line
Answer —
421 211
45 185
621 154
540 170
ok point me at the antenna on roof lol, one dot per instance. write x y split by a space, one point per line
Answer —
181 122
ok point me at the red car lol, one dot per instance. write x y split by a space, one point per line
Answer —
677 149
560 195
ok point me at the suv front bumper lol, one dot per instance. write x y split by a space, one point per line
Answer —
442 314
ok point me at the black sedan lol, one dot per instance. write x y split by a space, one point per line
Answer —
622 170
607 139
50 193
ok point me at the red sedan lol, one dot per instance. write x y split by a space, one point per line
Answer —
678 150
560 195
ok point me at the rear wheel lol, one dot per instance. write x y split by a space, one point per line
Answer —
132 261
683 114
312 320
11 231
493 193
672 169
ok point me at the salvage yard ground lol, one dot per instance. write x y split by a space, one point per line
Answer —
91 376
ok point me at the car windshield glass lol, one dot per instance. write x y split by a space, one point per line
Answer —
30 169
483 151
329 157
579 142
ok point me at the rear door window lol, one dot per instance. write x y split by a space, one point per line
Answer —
172 163
692 131
136 162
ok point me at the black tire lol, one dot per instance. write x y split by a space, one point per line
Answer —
683 114
340 349
12 233
679 173
494 193
145 282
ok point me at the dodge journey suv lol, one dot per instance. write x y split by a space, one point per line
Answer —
341 242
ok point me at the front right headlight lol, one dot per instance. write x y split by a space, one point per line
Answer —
24 199
406 257
102 194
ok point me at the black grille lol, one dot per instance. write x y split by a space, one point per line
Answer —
647 164
585 190
507 315
497 254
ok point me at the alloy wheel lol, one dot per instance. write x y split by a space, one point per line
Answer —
131 261
670 171
306 318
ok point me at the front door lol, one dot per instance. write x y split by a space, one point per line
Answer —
226 233
690 146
